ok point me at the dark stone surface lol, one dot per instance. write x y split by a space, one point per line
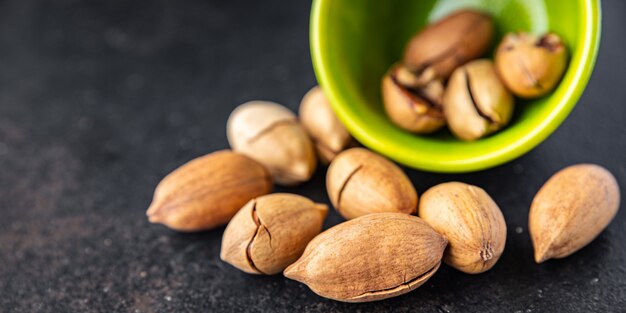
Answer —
100 99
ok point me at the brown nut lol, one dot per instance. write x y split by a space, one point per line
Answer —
327 132
271 134
373 257
454 40
476 103
531 66
206 192
571 209
360 182
412 100
470 220
270 232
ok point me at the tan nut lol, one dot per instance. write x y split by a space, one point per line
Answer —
450 42
370 258
360 182
270 232
476 103
412 100
271 134
470 220
327 132
531 66
571 209
206 192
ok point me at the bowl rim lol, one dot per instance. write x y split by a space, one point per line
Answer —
583 64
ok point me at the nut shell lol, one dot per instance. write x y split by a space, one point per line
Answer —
452 41
531 66
571 209
206 192
271 134
476 103
413 101
470 220
370 258
327 132
360 182
270 232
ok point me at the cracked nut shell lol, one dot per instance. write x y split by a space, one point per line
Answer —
206 192
571 209
327 132
476 103
531 66
360 182
370 258
412 99
270 133
270 232
470 220
450 42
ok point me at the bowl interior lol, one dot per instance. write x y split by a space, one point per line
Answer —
354 42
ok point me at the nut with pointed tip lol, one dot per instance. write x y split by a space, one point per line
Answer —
270 232
476 103
373 257
571 209
531 66
470 220
412 99
206 192
327 132
360 182
270 133
449 43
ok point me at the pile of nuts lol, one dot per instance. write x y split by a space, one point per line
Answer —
383 250
478 98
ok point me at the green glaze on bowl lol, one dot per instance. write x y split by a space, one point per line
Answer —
353 43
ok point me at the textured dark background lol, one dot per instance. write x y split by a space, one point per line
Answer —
100 99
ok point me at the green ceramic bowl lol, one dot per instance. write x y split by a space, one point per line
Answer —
353 43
